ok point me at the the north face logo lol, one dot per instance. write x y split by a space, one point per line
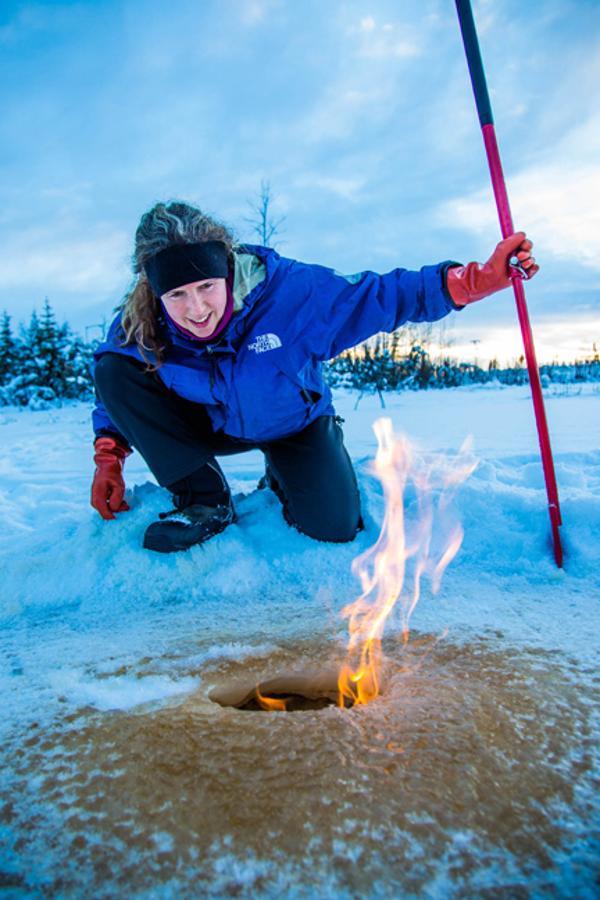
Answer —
265 342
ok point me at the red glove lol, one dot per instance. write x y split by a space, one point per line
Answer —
466 284
108 487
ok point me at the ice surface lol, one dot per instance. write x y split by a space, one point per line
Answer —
474 771
119 691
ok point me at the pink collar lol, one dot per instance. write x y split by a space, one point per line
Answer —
223 323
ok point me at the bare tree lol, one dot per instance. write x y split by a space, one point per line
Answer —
262 221
101 326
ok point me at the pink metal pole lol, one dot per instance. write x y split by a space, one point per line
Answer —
507 228
484 110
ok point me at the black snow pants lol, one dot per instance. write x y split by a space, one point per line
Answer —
311 469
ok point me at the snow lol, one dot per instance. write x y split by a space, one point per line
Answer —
93 625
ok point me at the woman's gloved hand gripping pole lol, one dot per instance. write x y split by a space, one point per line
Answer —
467 284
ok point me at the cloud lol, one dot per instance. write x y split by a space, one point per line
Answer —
45 261
552 200
38 17
556 338
252 12
347 188
344 108
387 40
364 87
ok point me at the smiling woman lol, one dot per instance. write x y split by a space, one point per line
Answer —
218 349
173 242
199 306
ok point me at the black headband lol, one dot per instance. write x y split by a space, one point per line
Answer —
185 263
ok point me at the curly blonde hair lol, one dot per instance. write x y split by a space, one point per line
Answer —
162 226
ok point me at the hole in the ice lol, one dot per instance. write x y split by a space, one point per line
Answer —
284 693
286 703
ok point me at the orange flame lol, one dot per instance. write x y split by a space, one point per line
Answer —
270 703
382 568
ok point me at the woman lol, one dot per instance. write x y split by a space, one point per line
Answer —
218 349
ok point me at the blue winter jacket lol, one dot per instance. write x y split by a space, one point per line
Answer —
262 378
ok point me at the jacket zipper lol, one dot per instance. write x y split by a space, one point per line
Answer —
241 414
211 356
211 372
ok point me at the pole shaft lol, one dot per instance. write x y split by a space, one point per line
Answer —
498 182
507 228
484 110
475 62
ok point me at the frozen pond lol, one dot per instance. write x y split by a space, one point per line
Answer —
474 774
474 769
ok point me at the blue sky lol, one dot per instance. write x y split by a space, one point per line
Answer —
360 114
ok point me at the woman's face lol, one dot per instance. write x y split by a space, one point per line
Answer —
198 306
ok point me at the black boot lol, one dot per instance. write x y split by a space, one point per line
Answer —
203 508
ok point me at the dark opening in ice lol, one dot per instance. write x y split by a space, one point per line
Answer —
292 703
285 693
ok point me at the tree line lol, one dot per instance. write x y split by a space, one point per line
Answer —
383 364
48 363
45 363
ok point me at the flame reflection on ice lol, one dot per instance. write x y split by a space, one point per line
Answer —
271 704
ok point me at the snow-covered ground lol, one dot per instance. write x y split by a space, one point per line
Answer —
95 630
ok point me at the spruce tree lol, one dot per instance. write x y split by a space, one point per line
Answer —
29 348
78 357
8 351
50 345
36 379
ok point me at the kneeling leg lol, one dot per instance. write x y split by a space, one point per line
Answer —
316 481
